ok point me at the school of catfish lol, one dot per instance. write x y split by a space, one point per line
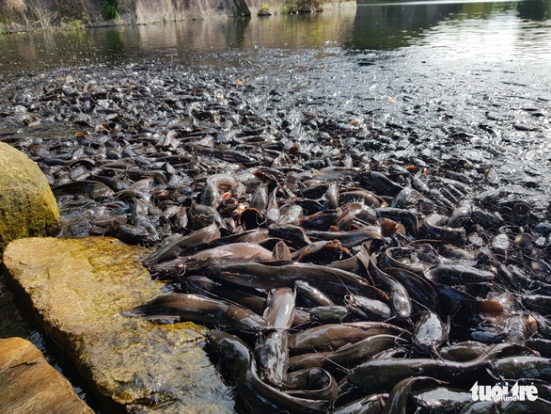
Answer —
333 280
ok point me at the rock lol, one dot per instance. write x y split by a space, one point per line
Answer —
240 8
78 288
27 205
30 385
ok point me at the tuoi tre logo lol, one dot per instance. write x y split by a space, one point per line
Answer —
504 393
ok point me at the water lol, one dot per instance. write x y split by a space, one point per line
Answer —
435 67
480 70
505 30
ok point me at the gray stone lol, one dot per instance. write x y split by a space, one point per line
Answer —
240 8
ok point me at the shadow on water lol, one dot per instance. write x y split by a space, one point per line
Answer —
537 10
388 27
114 42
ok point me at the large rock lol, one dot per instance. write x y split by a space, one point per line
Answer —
240 8
78 288
27 205
30 385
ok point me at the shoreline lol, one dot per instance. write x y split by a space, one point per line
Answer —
143 16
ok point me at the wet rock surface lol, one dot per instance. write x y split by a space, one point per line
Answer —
27 205
77 289
29 384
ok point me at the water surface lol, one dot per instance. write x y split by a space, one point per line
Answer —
503 28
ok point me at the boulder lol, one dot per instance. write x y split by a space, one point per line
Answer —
77 289
27 204
30 385
240 8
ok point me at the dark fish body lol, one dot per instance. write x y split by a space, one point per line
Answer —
184 244
257 395
330 337
264 276
348 355
200 309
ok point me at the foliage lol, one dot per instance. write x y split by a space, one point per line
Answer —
300 6
12 11
72 24
265 8
110 9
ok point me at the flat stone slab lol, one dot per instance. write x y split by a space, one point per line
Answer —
30 385
77 288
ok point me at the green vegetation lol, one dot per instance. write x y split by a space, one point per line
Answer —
68 23
301 6
264 9
110 9
72 24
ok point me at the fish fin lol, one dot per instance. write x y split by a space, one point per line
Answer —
133 313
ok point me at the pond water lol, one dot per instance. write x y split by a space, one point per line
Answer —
477 71
468 30
502 30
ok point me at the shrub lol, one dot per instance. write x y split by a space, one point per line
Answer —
264 9
300 6
72 24
110 9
